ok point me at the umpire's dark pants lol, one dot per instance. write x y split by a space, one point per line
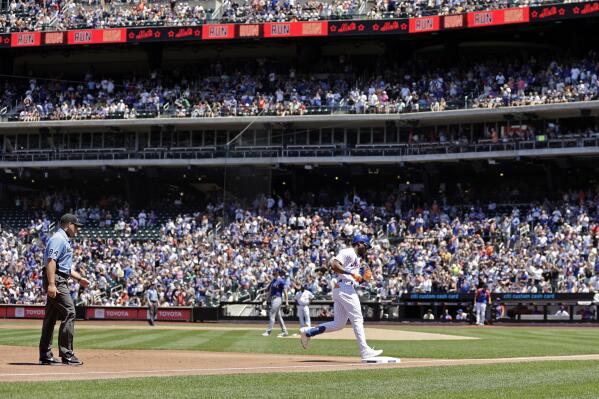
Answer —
62 308
152 311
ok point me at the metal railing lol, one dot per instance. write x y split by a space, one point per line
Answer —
329 150
13 115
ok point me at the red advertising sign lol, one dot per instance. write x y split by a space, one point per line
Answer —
454 21
97 36
113 313
371 27
425 24
139 35
5 40
295 29
563 11
498 17
54 38
248 31
119 313
26 312
218 31
2 312
173 314
26 39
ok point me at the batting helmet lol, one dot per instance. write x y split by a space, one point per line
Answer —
363 239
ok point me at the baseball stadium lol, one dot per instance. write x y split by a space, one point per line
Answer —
299 198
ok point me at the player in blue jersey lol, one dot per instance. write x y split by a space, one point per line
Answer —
277 291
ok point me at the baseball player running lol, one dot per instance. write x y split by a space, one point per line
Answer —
346 302
302 299
482 297
278 291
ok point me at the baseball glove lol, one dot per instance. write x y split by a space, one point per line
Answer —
366 273
285 309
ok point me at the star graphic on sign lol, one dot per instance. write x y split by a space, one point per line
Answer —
131 35
6 40
375 27
534 14
197 33
157 34
333 28
575 10
404 26
171 34
360 27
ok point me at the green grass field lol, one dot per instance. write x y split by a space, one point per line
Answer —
492 342
566 379
550 380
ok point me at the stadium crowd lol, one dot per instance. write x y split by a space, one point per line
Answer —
262 89
414 8
31 15
275 11
543 247
58 15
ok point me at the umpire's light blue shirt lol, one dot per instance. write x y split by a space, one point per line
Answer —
59 249
152 295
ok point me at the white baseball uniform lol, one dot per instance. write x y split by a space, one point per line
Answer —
346 302
303 298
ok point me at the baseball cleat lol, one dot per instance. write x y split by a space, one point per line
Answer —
266 334
371 353
283 334
50 361
72 361
304 339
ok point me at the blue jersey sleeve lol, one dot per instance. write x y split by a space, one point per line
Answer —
53 248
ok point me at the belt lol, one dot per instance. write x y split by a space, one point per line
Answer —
58 273
337 285
65 275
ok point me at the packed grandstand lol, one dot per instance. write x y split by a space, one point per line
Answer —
261 88
539 248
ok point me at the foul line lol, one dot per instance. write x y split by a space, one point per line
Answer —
193 370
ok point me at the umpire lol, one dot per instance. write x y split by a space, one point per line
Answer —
152 296
58 262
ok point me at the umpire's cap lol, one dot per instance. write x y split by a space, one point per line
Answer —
363 239
70 218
